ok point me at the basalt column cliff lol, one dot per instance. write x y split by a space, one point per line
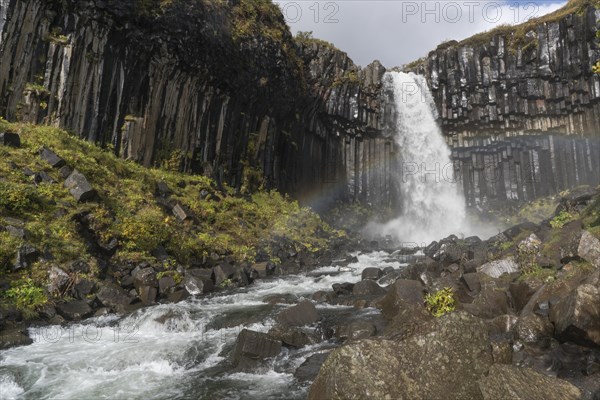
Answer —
219 88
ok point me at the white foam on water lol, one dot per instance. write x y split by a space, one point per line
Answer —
159 352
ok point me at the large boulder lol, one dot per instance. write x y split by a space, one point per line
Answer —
589 248
368 287
74 310
252 348
301 314
26 255
576 318
198 281
113 296
51 158
497 268
79 187
443 361
510 382
10 139
402 294
13 338
309 369
58 280
372 273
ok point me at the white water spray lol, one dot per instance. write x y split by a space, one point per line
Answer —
433 206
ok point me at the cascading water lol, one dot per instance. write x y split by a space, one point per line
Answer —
432 205
174 351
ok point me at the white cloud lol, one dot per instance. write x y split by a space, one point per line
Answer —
399 31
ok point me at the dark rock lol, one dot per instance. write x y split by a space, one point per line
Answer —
534 329
489 303
113 296
58 280
26 255
222 272
79 187
309 369
402 294
165 284
510 382
74 310
304 313
147 294
372 273
144 277
80 266
502 352
65 171
163 189
252 348
343 289
368 288
10 139
84 288
177 296
262 270
182 213
473 281
456 344
360 330
521 292
42 177
345 262
51 158
389 278
14 338
197 285
576 318
294 336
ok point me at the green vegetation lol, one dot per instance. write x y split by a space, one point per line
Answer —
225 284
126 210
307 39
596 68
561 219
440 302
253 18
349 77
27 296
517 36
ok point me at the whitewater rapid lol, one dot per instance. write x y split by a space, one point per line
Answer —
171 351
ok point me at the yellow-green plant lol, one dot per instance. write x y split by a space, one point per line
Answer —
596 68
561 219
440 302
27 296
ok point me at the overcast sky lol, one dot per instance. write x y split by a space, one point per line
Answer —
400 31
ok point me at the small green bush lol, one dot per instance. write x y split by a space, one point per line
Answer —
561 219
440 302
27 296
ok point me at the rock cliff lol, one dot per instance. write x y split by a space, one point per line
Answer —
223 89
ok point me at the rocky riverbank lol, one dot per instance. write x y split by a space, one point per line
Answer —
525 322
83 233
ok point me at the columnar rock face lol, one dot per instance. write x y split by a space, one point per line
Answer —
499 84
192 87
525 167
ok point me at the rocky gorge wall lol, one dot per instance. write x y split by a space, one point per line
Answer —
536 77
199 88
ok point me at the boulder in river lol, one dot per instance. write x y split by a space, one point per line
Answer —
74 310
252 348
304 313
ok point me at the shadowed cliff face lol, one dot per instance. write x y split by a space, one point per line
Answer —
505 84
221 88
196 84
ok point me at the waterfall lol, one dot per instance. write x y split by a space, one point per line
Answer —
433 207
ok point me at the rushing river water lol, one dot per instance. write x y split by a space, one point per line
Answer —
173 351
